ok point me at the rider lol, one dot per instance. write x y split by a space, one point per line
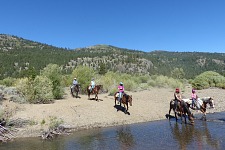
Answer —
193 98
75 82
92 84
177 97
121 90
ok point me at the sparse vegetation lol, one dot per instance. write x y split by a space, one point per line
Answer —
54 122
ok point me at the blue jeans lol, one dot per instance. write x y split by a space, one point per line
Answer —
193 102
120 95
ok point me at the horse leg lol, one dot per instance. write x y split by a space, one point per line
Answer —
204 116
77 95
170 109
175 115
125 109
185 118
88 96
96 96
71 92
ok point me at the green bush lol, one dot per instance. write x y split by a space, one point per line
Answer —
208 79
37 91
8 81
84 75
164 81
42 90
54 123
25 87
110 81
53 72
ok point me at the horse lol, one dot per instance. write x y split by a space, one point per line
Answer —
182 110
75 89
94 91
201 104
124 100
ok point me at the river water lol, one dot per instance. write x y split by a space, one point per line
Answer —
156 135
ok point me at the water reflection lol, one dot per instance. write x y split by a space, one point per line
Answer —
158 135
125 137
198 134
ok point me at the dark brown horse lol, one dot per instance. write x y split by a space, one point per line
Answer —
182 110
75 89
124 100
94 91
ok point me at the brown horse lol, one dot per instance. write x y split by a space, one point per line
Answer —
182 110
124 100
75 89
94 91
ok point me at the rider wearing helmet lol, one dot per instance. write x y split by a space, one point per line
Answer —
74 83
121 90
177 97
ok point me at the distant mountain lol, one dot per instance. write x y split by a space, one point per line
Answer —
18 56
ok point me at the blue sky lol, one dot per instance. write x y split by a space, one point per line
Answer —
146 25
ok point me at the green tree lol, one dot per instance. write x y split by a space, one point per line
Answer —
102 69
84 74
178 73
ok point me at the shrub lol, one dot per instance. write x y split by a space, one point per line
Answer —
54 122
42 90
53 72
84 75
37 91
8 81
25 87
110 81
164 81
208 79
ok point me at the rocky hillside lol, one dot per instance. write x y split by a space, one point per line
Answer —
18 56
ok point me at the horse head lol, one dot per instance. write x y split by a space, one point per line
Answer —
211 102
208 100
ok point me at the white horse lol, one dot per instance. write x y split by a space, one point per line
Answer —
201 104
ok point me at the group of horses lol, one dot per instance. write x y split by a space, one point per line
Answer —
74 90
125 100
183 109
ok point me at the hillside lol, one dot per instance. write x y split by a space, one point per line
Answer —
19 56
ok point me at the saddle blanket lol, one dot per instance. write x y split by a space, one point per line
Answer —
117 94
198 103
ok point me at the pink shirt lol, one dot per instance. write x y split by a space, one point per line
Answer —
193 95
121 88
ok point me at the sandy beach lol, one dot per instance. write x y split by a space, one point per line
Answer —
81 113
